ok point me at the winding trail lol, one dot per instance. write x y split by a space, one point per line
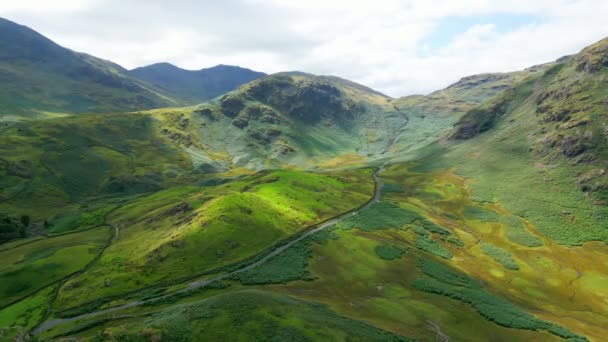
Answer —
202 283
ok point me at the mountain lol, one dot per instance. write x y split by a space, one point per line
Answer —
193 87
306 207
39 76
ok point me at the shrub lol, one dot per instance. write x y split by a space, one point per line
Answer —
387 252
475 213
287 266
427 244
516 232
499 255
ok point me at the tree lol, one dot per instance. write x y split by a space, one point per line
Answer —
25 220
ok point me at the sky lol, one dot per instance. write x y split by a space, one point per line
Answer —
399 47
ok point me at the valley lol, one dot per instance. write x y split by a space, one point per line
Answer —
298 207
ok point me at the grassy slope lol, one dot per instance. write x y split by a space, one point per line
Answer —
258 315
214 227
432 116
54 258
39 76
554 283
553 293
298 119
543 155
54 165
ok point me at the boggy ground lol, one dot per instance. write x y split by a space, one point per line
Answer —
504 253
427 263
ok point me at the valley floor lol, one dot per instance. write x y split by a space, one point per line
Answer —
421 260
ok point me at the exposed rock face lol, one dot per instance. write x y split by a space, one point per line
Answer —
593 58
308 100
477 80
231 105
20 168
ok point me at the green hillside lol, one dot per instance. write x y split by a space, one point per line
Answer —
40 77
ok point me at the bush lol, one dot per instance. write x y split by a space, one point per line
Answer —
287 266
387 252
516 232
427 244
499 255
381 215
475 213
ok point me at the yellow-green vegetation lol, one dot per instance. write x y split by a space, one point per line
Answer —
342 272
28 312
30 267
443 281
517 232
543 160
184 232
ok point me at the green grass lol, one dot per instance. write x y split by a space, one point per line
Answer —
221 226
27 312
388 252
517 232
71 221
247 316
499 255
75 164
25 269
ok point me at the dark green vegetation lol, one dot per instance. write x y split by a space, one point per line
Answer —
287 266
499 255
491 224
388 252
260 316
443 281
195 86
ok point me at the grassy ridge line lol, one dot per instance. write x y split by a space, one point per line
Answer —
237 265
231 269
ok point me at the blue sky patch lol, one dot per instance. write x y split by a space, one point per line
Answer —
451 27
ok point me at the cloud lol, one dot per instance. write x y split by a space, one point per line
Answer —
387 46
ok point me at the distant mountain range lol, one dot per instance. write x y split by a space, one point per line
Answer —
38 77
195 86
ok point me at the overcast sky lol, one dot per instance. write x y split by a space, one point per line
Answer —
399 47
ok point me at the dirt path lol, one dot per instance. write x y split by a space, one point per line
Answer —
198 284
437 330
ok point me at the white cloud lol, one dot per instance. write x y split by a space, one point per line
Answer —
378 43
